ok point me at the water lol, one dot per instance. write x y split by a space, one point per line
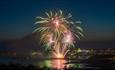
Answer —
62 64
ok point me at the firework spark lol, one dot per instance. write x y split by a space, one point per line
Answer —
58 33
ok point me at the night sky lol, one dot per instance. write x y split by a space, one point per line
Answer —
17 17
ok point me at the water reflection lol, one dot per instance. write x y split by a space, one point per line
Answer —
58 63
62 64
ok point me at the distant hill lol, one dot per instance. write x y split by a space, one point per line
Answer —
23 46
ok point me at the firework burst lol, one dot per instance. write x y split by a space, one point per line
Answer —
58 33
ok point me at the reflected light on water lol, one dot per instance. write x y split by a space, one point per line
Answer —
58 64
62 64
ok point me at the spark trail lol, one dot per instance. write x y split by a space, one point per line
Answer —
58 32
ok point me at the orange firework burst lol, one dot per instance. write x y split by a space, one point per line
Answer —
58 33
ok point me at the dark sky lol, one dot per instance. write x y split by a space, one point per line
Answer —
17 17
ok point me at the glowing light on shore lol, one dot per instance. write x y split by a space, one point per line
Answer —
60 56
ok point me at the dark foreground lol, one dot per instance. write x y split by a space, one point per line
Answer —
32 67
